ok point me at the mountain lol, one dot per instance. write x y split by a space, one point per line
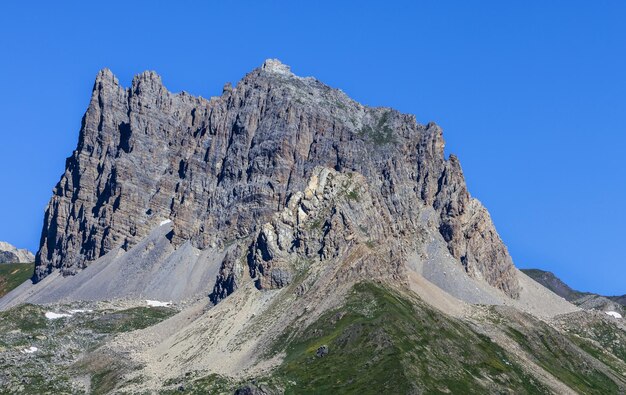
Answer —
586 300
219 169
281 238
553 283
10 254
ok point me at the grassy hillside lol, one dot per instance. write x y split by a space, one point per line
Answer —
12 275
572 360
382 342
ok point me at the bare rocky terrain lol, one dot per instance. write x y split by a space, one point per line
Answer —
282 238
11 254
585 300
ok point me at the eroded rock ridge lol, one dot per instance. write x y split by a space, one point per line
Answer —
243 171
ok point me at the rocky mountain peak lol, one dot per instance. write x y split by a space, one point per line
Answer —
106 81
106 75
276 66
148 81
221 169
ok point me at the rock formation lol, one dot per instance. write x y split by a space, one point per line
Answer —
249 242
10 254
227 170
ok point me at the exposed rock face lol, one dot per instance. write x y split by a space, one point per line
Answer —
227 171
335 218
10 254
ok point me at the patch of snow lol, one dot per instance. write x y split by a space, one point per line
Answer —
614 314
29 350
156 303
53 316
80 311
167 221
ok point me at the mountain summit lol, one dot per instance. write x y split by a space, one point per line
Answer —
220 168
282 239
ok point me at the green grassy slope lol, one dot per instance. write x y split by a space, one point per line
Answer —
382 342
12 275
573 365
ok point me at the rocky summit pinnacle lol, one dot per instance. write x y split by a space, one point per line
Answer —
276 66
234 170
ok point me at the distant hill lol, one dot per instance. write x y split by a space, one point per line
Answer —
586 300
11 254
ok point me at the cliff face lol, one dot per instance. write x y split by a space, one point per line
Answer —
222 169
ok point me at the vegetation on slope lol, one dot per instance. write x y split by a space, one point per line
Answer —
66 348
379 341
574 363
382 342
12 275
599 336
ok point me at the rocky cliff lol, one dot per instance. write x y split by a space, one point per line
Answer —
11 254
227 170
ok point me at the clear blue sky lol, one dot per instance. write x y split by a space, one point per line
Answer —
531 96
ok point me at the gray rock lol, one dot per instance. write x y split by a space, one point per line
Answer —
151 269
601 303
322 351
222 168
11 254
254 389
231 271
8 257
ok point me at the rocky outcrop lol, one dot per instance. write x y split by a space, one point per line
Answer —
11 254
329 220
222 168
